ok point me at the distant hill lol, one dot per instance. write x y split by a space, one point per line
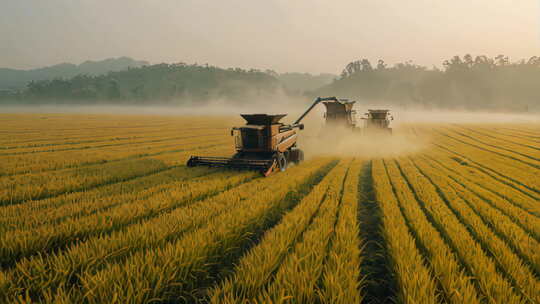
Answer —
153 84
18 79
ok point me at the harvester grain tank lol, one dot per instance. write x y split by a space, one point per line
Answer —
262 144
340 113
377 121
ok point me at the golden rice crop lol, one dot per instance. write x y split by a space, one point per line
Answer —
102 209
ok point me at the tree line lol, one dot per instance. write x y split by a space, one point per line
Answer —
465 82
160 83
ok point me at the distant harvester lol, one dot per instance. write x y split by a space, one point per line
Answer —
377 121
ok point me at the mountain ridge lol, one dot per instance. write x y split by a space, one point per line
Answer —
16 79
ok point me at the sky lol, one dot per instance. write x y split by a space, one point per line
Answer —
283 35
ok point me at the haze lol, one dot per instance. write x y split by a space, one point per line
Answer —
307 36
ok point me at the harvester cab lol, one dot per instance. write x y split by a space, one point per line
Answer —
377 121
262 144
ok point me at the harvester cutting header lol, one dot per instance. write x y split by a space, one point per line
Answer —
267 145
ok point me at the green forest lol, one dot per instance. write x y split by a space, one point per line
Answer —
465 82
160 83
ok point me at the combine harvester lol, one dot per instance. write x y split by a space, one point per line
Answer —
377 122
339 113
263 144
266 145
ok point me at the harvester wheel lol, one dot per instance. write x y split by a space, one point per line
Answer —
191 162
296 155
300 156
282 161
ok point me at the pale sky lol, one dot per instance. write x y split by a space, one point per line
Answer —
284 35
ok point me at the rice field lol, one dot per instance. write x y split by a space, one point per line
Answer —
102 209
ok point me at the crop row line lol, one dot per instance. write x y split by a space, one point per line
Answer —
21 243
111 145
512 182
378 283
535 166
257 269
495 146
504 257
492 284
78 136
98 138
41 187
414 280
298 278
39 278
517 215
342 281
488 184
186 266
72 205
505 140
454 280
88 163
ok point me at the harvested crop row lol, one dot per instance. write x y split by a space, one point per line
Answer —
456 285
507 260
256 269
495 286
414 279
43 277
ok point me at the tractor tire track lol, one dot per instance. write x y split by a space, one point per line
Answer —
380 285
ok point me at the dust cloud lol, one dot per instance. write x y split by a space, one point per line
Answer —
332 141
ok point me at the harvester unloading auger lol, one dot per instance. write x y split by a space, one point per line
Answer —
263 144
